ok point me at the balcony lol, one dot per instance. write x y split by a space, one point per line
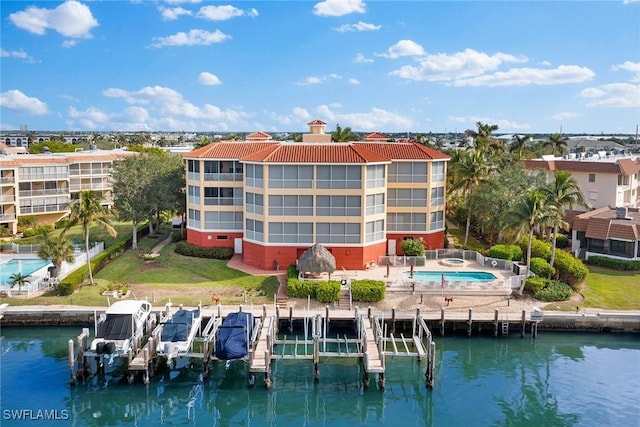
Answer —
223 176
7 199
44 208
92 186
44 177
7 180
7 217
47 192
90 172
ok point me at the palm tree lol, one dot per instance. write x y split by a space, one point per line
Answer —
557 144
18 279
528 213
469 172
343 135
482 138
563 192
86 210
519 144
57 249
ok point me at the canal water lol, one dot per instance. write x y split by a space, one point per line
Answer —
557 379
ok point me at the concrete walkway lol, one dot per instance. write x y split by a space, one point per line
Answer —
236 263
157 248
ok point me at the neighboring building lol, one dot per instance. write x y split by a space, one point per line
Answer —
607 231
43 184
605 181
272 200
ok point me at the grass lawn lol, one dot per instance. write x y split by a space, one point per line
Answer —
96 234
458 239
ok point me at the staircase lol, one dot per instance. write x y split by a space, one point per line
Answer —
505 326
282 303
344 300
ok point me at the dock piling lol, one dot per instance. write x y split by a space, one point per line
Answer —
72 363
470 321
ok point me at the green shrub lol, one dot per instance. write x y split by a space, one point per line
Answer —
26 222
66 288
535 284
184 248
508 252
562 241
41 229
412 247
539 249
327 292
297 288
554 291
614 264
541 267
176 236
570 270
368 290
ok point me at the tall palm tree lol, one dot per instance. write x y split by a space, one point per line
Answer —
57 249
557 143
18 279
563 192
469 172
482 138
528 213
87 210
519 144
343 135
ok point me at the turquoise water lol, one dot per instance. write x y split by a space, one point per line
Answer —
461 276
555 380
24 266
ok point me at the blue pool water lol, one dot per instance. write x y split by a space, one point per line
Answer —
24 266
453 276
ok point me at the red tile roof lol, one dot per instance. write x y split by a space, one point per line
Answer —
281 152
604 224
258 135
316 122
624 166
375 135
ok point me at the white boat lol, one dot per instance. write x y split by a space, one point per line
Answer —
121 329
178 332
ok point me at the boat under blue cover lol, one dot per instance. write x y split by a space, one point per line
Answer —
234 335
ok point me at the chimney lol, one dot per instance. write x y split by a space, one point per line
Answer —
622 213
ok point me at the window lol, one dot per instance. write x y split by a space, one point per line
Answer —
374 231
222 237
223 196
592 177
408 172
291 205
437 220
254 203
406 221
330 232
338 206
408 197
437 171
194 218
290 232
620 248
254 230
339 177
593 196
623 179
254 176
375 176
437 196
222 170
194 194
285 176
375 204
223 221
193 169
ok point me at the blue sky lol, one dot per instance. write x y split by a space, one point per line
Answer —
391 66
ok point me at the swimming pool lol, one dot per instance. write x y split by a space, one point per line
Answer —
453 276
18 265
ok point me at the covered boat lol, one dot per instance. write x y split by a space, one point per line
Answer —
178 333
234 336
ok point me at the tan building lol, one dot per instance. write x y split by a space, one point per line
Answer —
43 184
605 181
607 232
272 200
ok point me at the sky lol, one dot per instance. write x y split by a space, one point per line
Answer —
273 66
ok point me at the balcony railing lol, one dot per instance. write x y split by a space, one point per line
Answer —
40 193
91 172
7 199
44 176
7 217
43 208
8 180
92 186
223 176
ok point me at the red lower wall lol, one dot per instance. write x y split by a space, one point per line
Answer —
432 240
209 239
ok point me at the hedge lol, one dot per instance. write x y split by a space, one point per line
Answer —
184 248
328 291
562 241
570 270
614 264
508 252
541 267
368 290
297 288
535 284
323 291
554 291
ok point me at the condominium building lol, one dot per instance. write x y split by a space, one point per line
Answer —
604 180
270 200
43 184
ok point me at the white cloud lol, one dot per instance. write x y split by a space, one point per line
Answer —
91 118
359 26
69 43
301 113
183 1
192 38
377 118
629 1
316 80
614 95
361 59
338 7
353 81
404 48
19 54
459 65
17 101
223 13
503 124
528 76
71 19
565 116
173 13
168 102
208 79
632 67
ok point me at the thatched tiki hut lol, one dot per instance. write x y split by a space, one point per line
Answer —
316 260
